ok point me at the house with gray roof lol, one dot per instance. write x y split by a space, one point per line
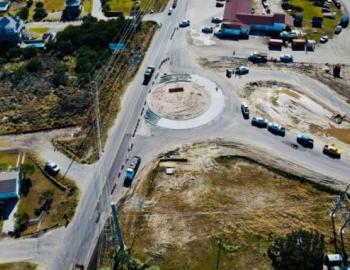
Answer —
12 29
9 184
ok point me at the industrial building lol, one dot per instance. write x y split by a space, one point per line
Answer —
239 20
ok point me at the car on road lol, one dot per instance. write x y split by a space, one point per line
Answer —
305 140
324 39
259 122
184 23
245 110
286 58
332 151
338 29
148 74
207 30
276 129
242 70
219 4
170 11
51 167
216 20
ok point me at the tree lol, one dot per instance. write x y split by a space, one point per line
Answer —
22 221
299 250
23 13
29 3
39 12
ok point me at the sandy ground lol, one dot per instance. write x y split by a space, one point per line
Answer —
188 102
294 109
245 203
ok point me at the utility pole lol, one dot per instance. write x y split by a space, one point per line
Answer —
117 226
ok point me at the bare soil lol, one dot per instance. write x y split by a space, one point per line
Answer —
177 221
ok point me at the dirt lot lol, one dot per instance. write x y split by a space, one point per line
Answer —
316 71
294 109
177 221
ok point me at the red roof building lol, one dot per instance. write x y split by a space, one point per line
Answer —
238 14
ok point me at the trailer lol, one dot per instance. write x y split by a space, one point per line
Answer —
298 44
275 43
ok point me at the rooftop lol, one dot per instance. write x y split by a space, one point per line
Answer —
8 181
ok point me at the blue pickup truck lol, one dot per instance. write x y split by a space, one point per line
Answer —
132 170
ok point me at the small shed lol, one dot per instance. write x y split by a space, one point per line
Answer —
317 22
9 185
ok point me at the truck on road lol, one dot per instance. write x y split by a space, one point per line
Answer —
148 74
132 170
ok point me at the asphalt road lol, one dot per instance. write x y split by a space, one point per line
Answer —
64 247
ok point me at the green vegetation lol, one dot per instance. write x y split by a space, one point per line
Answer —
39 193
39 12
38 31
309 9
18 266
125 6
238 206
298 250
54 5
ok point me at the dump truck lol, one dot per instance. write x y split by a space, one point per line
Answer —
148 74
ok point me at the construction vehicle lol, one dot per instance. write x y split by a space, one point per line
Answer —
148 74
331 151
132 170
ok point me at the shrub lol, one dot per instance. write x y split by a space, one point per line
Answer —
39 12
34 64
298 250
59 76
29 3
30 52
22 221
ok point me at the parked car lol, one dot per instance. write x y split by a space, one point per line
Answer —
184 23
245 110
324 39
242 70
286 58
332 151
258 57
329 15
228 73
259 122
326 9
276 129
48 36
338 29
305 141
51 167
288 35
207 30
216 20
219 4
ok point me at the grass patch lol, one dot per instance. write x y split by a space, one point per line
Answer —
63 205
54 5
18 266
64 202
87 5
38 31
126 5
309 10
245 204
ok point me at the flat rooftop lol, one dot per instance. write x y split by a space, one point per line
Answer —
8 181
